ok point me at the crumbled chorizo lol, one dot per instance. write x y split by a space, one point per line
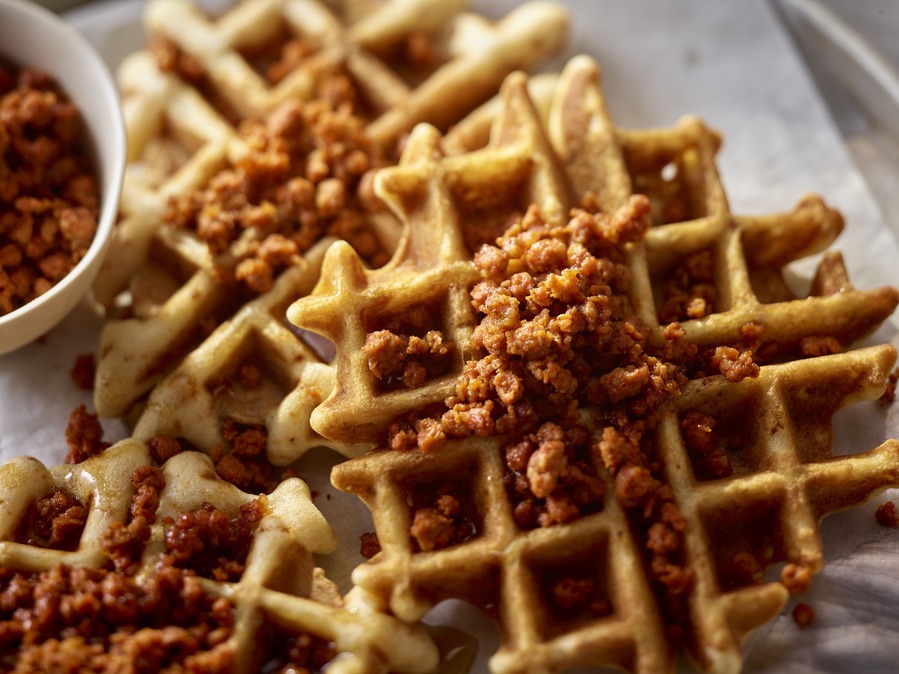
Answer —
246 442
369 545
689 291
104 620
83 371
49 192
734 364
209 542
549 479
300 183
796 577
616 450
548 463
256 274
292 54
432 530
887 515
811 347
163 447
573 592
441 524
244 463
55 521
665 535
123 541
569 593
710 460
634 485
558 333
95 620
170 59
84 435
111 620
803 615
409 359
277 250
742 569
420 52
301 654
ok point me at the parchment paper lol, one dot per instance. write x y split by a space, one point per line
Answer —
732 64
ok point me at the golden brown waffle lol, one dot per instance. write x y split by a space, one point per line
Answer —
440 198
466 49
786 478
207 383
162 286
279 584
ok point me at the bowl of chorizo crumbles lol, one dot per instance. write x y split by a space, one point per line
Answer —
62 157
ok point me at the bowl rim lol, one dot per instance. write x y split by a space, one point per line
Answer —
111 193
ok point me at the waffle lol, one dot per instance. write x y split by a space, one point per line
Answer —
176 331
784 479
431 270
279 585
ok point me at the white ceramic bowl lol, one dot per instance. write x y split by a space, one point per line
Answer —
33 36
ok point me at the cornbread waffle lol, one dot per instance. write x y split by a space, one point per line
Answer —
162 286
279 587
783 482
206 386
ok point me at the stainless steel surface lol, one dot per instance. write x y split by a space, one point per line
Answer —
877 21
858 81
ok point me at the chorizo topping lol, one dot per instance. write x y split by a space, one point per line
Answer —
570 594
734 364
84 435
558 337
811 347
163 447
405 351
211 543
54 521
245 464
300 181
369 545
406 358
124 542
49 193
796 578
710 460
97 620
887 515
301 654
689 291
112 620
803 615
108 619
83 371
441 524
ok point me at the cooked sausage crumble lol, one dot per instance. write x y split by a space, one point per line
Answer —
300 181
112 619
49 193
560 337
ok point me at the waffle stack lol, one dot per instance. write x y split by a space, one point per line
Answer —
180 329
262 600
713 278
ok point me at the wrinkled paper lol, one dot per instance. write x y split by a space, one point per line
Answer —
732 64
